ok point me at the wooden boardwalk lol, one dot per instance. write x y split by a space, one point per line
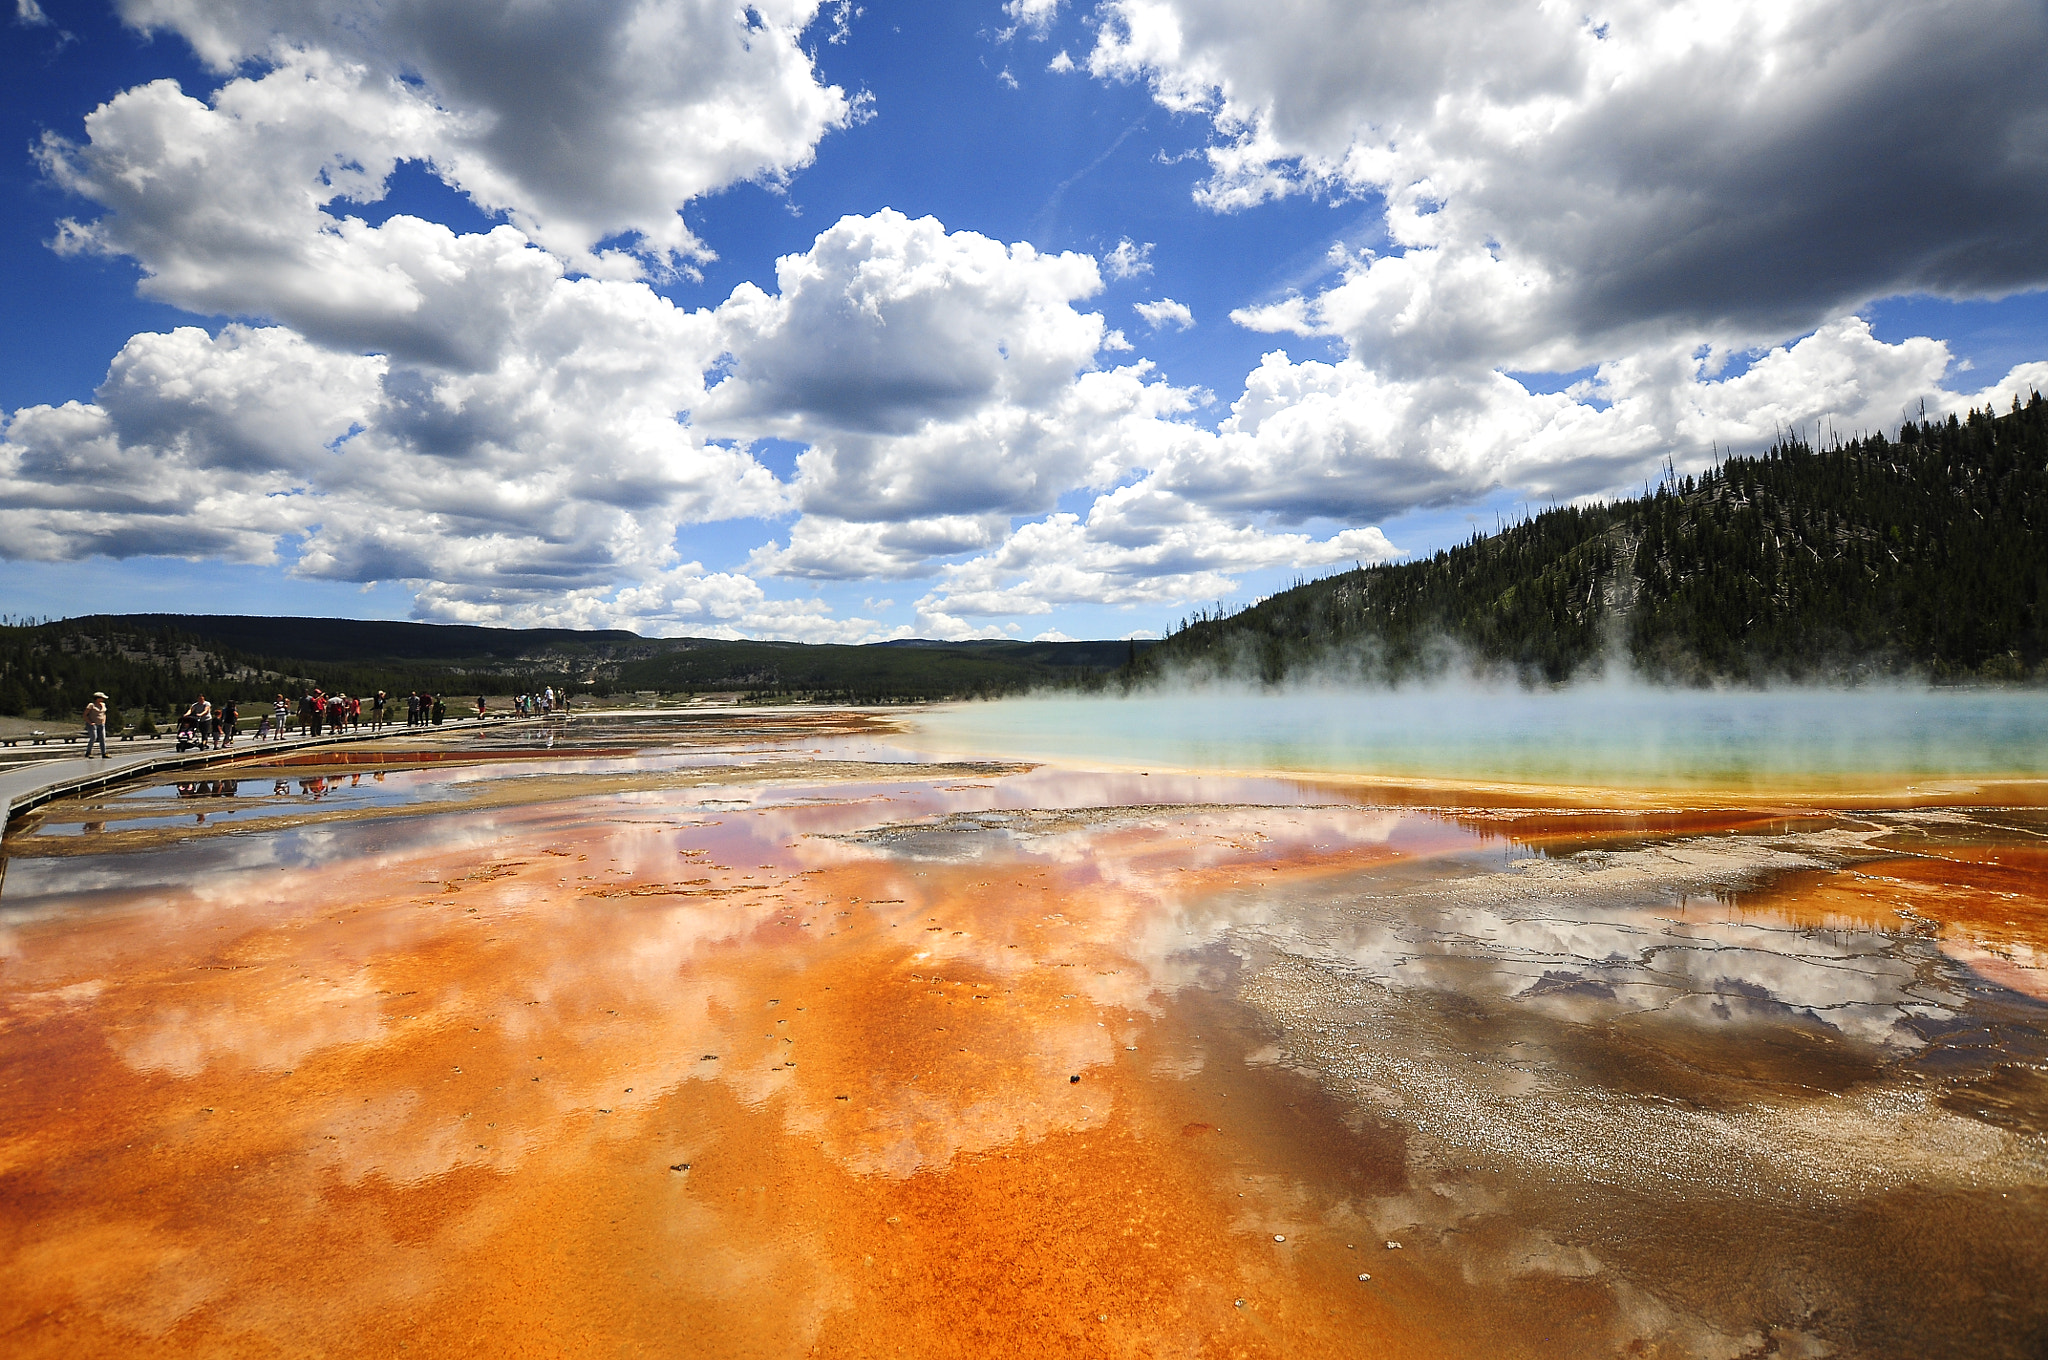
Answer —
31 784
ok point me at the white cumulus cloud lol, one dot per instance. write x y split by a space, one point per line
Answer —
1556 187
931 374
581 122
1165 314
1138 545
1128 260
1032 16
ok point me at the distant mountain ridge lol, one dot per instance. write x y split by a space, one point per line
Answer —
355 640
1925 555
160 661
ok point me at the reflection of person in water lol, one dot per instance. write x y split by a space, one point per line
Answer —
281 789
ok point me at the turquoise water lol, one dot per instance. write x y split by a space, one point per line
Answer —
1608 735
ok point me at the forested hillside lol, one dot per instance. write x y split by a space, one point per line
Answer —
1925 554
875 672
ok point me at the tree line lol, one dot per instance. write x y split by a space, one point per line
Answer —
152 667
50 670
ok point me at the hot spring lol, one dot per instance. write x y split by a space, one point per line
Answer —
1615 736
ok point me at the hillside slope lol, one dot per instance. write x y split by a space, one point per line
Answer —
1924 554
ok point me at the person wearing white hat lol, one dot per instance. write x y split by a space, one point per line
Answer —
96 723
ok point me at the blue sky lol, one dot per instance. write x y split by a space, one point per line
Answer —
824 322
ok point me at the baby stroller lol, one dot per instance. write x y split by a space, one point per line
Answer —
190 738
